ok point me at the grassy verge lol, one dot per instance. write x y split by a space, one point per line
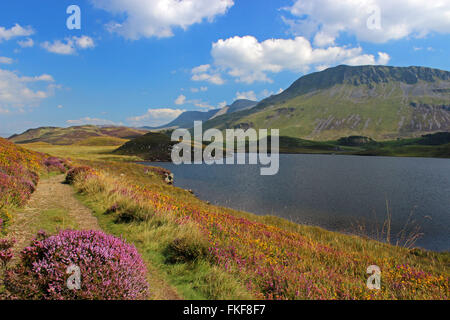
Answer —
210 252
53 220
193 278
80 152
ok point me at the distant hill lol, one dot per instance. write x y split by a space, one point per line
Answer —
379 102
187 118
72 135
238 105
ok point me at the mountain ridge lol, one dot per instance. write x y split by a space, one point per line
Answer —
187 118
381 102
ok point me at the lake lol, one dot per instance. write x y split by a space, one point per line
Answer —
335 192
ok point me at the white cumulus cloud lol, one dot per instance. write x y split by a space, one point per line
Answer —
92 121
206 73
84 42
202 104
43 77
28 43
158 18
15 92
322 39
180 100
375 21
252 95
368 59
69 45
201 89
211 78
14 32
248 60
155 117
201 69
249 95
59 47
6 60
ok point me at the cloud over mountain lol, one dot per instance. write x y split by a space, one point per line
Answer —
92 121
155 117
249 60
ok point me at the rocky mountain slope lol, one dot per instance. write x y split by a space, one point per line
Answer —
374 101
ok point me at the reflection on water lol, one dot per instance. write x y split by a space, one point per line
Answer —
334 192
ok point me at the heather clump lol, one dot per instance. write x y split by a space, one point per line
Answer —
54 164
14 190
110 268
6 253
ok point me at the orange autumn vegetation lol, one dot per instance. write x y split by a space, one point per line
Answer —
270 257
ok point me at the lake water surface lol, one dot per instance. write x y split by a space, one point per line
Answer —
334 192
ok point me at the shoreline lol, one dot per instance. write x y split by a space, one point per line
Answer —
288 216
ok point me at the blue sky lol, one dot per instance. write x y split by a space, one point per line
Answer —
143 62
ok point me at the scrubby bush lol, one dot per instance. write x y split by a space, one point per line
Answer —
15 188
74 172
109 267
187 248
6 253
126 211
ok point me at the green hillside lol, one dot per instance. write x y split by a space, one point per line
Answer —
101 141
375 101
153 146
